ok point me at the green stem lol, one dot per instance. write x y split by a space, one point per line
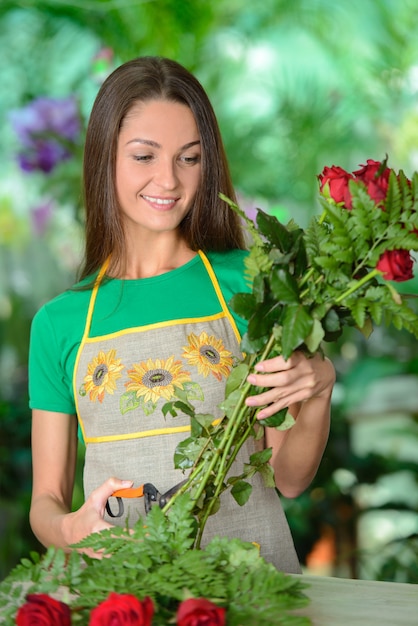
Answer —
306 291
247 432
357 285
235 422
306 277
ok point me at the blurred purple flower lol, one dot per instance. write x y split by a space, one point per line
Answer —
41 216
46 128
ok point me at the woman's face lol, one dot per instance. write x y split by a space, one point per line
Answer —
158 166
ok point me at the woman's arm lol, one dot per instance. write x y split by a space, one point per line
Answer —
54 457
54 454
305 386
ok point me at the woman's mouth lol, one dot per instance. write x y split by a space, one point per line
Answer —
160 203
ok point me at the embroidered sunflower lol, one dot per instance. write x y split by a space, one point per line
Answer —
102 373
157 379
209 355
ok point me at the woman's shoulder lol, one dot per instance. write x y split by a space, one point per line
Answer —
229 261
67 305
226 257
229 267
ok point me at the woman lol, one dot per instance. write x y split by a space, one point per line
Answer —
163 256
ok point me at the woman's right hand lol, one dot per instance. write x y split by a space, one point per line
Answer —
89 518
54 460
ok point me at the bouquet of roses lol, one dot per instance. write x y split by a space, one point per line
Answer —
307 285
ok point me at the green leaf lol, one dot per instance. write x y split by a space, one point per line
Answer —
243 304
260 457
266 315
275 421
187 452
331 321
297 325
315 337
288 422
237 377
241 492
184 408
229 404
273 230
259 286
284 286
267 474
175 406
252 346
204 419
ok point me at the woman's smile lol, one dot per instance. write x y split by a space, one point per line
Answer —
160 203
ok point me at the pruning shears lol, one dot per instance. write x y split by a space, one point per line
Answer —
148 491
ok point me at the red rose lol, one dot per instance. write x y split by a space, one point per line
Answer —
199 612
42 610
396 265
337 179
377 185
123 610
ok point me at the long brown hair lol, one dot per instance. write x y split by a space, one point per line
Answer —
210 224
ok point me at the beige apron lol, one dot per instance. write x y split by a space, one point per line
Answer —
121 382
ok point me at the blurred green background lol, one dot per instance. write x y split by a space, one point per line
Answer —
297 85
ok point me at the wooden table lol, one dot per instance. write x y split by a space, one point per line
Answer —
343 602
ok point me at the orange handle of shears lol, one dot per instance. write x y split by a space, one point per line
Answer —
129 492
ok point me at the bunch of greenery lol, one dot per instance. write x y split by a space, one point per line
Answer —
155 559
306 286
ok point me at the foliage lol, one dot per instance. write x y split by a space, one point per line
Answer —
306 287
155 559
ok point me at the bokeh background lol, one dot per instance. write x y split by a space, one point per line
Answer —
297 85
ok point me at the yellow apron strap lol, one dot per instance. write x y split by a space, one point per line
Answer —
87 326
218 291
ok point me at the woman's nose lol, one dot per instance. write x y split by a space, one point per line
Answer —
165 174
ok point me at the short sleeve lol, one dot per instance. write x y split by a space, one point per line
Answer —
49 386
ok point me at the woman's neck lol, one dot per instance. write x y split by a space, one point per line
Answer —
156 256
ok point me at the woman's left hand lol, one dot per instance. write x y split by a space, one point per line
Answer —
290 382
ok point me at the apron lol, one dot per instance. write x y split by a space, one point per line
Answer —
121 382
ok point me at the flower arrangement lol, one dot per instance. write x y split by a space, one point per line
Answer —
307 285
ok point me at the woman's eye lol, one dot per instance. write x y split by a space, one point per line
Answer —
190 160
142 158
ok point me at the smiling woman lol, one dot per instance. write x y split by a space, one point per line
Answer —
149 321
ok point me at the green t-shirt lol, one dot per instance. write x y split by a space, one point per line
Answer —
58 327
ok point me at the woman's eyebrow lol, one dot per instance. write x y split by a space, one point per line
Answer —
155 144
